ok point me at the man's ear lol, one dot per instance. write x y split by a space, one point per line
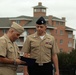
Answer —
12 30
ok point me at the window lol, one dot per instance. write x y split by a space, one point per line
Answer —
36 10
18 42
48 31
61 23
61 50
5 30
25 34
43 10
61 32
57 22
69 44
17 21
61 41
22 38
69 35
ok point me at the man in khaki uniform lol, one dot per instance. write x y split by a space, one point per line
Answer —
43 48
9 51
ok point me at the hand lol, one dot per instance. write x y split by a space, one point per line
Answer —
27 55
18 62
57 73
26 73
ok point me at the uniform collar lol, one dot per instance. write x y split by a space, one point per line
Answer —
35 35
46 35
5 35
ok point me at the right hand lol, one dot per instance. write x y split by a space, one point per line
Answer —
26 73
18 61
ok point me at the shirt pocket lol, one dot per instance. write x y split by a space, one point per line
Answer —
48 49
10 52
48 46
34 44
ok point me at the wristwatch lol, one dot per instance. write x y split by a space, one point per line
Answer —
15 62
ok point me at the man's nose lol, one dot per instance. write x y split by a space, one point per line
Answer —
39 27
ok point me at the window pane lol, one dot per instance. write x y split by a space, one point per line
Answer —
5 30
69 35
61 32
48 31
69 44
61 41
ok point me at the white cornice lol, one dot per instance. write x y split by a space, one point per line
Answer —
4 27
69 29
35 27
19 19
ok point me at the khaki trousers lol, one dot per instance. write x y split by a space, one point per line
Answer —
7 71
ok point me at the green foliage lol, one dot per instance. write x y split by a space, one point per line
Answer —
66 60
73 57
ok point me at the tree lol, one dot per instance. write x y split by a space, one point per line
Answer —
67 62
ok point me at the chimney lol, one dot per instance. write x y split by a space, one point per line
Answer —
63 18
39 4
50 19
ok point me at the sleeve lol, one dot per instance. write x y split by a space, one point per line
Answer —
55 48
3 48
26 46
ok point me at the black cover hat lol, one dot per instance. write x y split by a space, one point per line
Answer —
40 21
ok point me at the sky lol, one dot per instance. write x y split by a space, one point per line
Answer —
57 8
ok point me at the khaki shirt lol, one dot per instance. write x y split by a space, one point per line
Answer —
8 49
40 49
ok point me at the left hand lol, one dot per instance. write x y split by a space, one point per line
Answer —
27 55
56 73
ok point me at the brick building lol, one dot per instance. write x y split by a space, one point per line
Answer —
55 26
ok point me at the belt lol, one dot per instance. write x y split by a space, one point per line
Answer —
42 64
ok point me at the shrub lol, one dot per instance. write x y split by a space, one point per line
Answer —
66 60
